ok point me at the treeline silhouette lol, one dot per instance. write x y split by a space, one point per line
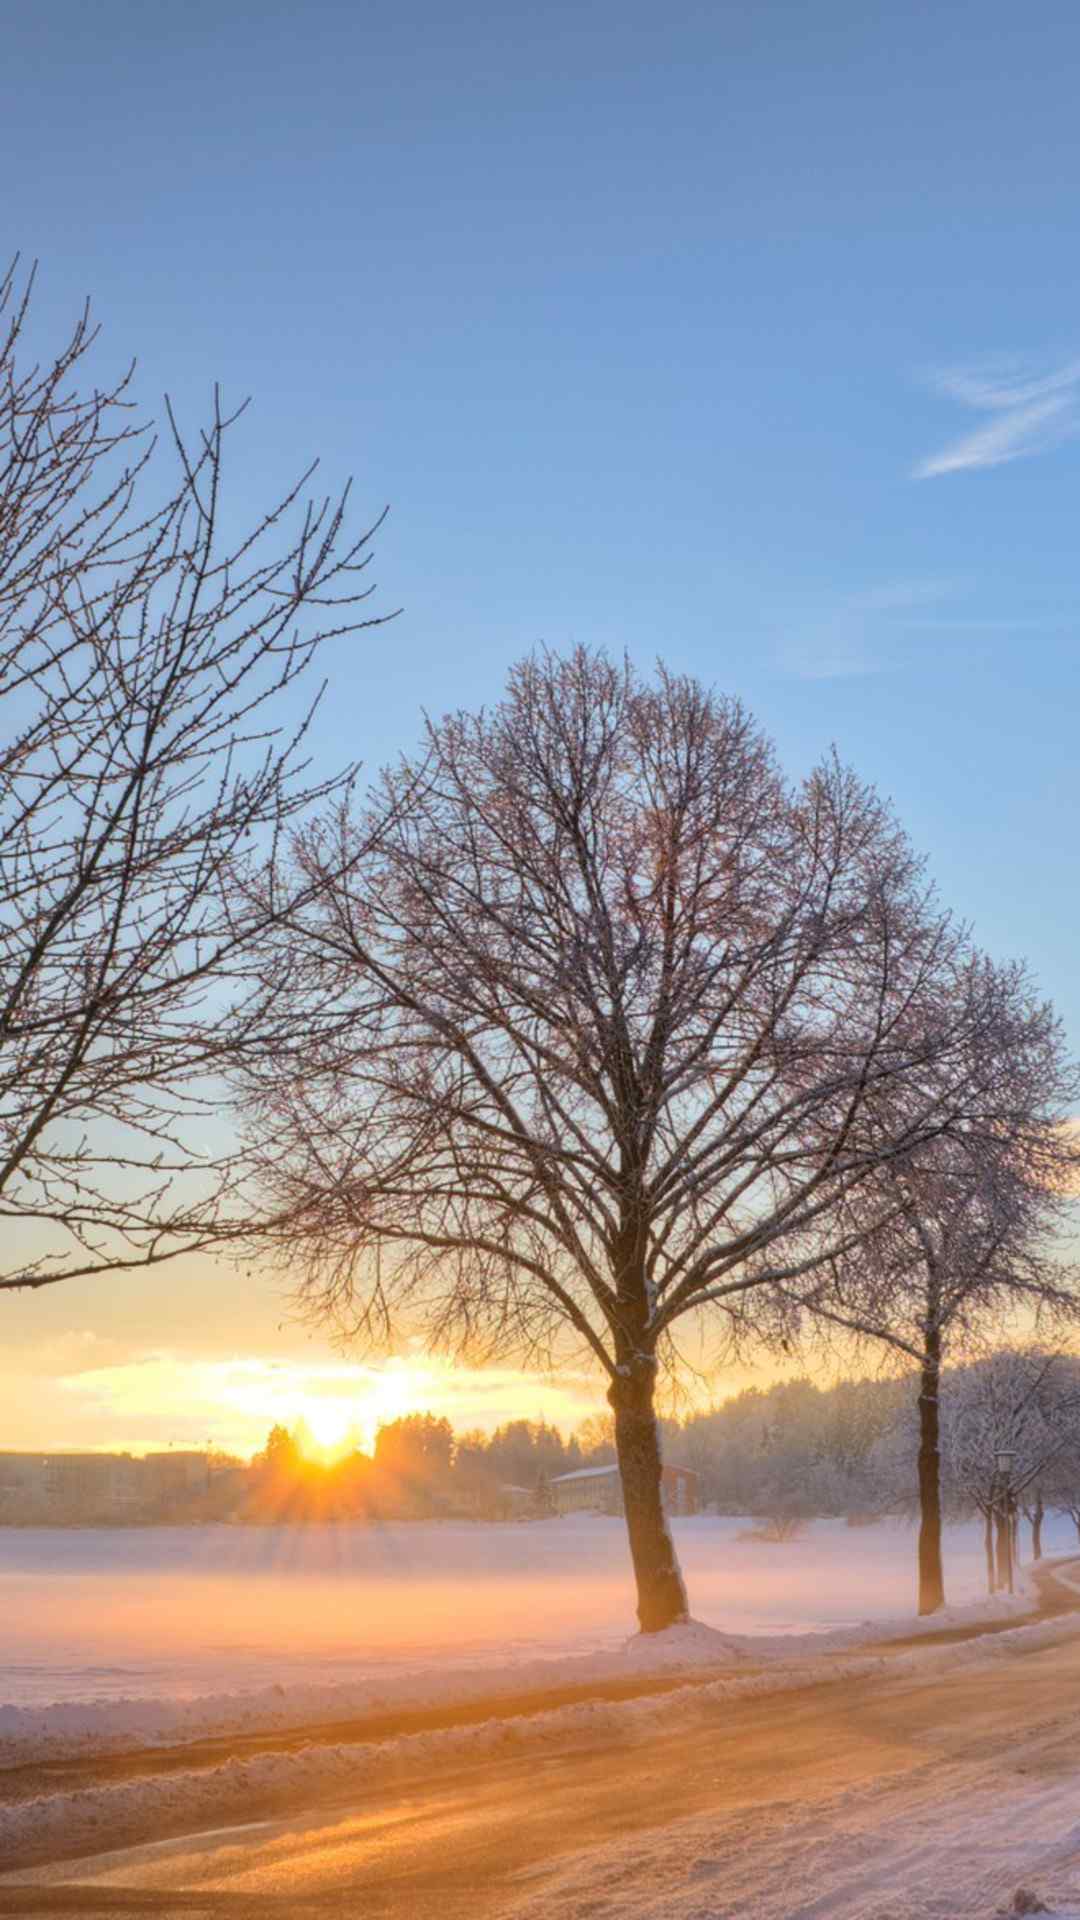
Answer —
419 1469
791 1447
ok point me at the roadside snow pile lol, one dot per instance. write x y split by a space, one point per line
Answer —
92 1819
691 1644
112 1726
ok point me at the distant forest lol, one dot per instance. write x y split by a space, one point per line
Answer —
792 1448
781 1454
790 1451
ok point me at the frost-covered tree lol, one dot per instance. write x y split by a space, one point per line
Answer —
1058 1486
602 1020
965 1227
1025 1399
148 663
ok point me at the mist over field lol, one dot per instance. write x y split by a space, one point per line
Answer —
181 1611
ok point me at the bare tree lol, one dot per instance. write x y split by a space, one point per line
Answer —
145 664
1026 1399
1065 1498
1056 1487
965 1228
600 1020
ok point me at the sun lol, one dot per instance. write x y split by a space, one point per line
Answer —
331 1424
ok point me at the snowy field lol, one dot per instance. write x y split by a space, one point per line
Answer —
177 1613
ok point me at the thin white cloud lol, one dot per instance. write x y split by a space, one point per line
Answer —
903 596
1030 412
860 633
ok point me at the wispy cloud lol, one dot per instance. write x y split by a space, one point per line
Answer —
860 633
1029 411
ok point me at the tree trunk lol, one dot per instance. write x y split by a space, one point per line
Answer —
988 1542
1037 1517
1004 1555
660 1590
931 1575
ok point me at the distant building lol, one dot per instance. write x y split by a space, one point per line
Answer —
22 1485
90 1485
230 1482
599 1490
173 1476
68 1488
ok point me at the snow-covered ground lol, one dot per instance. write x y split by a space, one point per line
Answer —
93 1613
225 1802
115 1636
355 1622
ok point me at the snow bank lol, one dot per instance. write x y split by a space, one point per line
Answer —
693 1644
95 1818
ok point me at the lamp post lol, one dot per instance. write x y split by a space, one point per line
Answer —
1003 1464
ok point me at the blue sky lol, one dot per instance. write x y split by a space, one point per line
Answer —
744 335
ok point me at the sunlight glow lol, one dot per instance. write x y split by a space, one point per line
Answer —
332 1424
327 1427
163 1399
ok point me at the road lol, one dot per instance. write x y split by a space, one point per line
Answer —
916 1795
